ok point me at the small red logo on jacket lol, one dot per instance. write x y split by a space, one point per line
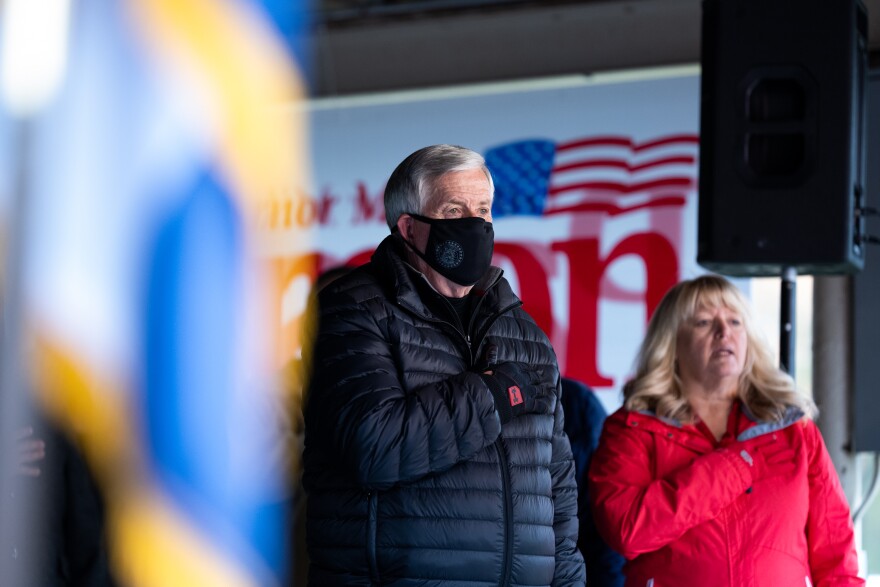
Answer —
515 395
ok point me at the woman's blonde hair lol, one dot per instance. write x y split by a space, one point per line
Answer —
764 388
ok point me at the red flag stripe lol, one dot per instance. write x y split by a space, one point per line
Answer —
621 164
621 141
624 188
613 209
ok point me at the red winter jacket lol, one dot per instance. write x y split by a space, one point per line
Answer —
684 509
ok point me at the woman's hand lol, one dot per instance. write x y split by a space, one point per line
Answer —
767 456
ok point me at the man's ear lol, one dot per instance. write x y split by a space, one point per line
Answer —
404 226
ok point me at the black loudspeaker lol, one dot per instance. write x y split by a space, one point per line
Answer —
866 298
782 136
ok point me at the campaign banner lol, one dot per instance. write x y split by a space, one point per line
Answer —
595 209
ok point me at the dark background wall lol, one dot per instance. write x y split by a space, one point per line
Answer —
379 45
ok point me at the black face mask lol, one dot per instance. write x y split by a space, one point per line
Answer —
459 249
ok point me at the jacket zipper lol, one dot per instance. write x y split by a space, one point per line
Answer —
499 443
372 530
465 336
507 492
508 513
499 447
486 326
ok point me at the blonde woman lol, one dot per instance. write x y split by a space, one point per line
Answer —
713 472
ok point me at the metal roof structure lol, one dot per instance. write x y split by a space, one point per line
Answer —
363 46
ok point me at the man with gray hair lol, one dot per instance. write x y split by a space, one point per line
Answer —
434 448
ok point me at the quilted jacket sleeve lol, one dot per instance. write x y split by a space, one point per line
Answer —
569 561
833 559
381 433
637 513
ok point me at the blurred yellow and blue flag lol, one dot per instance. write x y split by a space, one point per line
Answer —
144 304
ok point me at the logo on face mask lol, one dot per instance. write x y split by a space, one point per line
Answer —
449 254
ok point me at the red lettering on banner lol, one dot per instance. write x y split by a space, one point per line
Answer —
588 284
534 287
284 272
325 203
368 208
587 270
267 216
585 275
299 212
359 258
661 264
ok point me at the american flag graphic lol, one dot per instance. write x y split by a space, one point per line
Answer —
608 174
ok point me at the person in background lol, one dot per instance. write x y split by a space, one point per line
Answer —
584 416
713 472
63 541
66 545
294 376
434 447
291 425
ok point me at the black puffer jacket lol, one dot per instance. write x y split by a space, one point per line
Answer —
411 478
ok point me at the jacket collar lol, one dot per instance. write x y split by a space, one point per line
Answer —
397 274
651 421
791 416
